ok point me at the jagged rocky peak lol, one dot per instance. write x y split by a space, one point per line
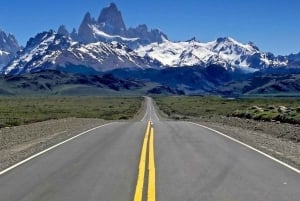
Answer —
146 37
8 42
193 39
224 39
49 50
85 31
111 27
74 34
88 19
86 22
230 45
8 48
36 40
47 40
253 45
111 21
62 30
228 41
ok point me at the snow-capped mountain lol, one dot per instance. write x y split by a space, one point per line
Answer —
110 27
111 22
49 50
106 44
223 51
8 48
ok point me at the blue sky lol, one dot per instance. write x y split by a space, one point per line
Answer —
273 25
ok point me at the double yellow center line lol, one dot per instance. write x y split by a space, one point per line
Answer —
149 136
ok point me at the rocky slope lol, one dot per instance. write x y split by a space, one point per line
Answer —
110 26
8 48
223 51
106 44
49 50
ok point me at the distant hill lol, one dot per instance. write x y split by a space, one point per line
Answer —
60 83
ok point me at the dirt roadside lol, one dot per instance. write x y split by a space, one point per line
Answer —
19 143
271 138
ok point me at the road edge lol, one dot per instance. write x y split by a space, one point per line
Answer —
51 148
249 147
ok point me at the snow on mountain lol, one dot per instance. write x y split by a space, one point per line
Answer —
99 33
8 47
3 53
40 51
223 51
49 50
4 58
104 56
106 44
175 54
111 27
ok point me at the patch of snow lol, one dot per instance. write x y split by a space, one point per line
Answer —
176 54
38 50
3 53
105 35
224 51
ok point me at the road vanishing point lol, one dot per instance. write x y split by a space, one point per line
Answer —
148 160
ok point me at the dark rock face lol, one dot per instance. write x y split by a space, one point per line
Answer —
62 30
111 21
146 36
113 28
85 32
8 43
74 35
8 47
294 60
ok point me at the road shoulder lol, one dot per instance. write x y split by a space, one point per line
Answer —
24 141
283 149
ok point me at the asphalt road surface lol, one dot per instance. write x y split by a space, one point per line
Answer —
180 162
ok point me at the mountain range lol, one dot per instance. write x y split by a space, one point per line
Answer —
106 45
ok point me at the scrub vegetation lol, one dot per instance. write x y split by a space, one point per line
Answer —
16 111
285 110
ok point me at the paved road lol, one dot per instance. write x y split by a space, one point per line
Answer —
191 164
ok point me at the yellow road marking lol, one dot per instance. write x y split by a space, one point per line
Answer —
138 196
151 167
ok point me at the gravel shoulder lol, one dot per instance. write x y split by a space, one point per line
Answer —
20 142
280 140
271 138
